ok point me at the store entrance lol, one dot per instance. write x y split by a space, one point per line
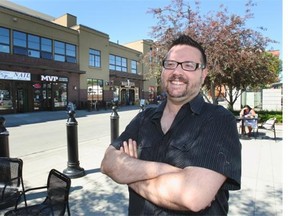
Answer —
21 98
127 96
47 96
42 96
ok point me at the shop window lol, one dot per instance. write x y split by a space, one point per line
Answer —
60 94
5 96
95 89
152 93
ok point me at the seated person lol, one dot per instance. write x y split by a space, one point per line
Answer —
249 119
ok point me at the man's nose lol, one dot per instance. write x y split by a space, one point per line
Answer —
178 69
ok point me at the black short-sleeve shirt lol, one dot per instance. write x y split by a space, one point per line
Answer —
202 135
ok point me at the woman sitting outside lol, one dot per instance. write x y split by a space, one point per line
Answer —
249 119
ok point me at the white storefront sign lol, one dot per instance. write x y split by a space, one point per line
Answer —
53 78
14 75
49 78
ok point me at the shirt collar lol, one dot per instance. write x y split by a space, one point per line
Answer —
195 104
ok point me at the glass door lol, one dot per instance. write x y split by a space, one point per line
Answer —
20 100
47 96
21 97
42 96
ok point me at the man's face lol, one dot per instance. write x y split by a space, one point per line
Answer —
181 85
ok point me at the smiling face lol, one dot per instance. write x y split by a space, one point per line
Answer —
180 85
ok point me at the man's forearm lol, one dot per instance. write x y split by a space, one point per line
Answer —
125 169
191 189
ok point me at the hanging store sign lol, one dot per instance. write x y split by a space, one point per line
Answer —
127 84
15 75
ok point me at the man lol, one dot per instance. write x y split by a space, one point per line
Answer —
182 157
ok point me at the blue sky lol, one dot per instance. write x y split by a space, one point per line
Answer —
127 20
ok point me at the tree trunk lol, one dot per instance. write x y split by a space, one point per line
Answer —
212 90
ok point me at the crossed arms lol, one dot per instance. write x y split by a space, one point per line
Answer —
191 188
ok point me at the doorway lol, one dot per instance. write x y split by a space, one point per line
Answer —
21 98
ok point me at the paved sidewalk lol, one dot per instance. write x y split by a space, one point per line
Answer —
96 194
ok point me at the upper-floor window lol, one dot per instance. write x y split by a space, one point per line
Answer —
20 43
46 48
26 44
133 67
33 46
36 46
64 52
59 51
94 58
4 40
117 63
70 53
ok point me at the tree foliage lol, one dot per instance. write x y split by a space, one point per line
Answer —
237 59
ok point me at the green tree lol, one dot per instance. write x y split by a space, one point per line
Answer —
236 54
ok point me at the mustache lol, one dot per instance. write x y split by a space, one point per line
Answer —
177 78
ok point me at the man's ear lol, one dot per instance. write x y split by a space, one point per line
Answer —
204 74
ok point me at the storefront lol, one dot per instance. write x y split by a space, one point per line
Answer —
25 92
129 93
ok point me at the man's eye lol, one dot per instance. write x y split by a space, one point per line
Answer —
189 65
170 64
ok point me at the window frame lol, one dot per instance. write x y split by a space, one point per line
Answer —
134 66
94 58
33 46
5 44
46 48
19 41
117 63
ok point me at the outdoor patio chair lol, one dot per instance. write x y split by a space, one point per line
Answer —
56 201
270 125
11 181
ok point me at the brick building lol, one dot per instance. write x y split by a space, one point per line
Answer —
45 62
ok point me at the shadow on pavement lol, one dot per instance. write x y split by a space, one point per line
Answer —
244 203
98 202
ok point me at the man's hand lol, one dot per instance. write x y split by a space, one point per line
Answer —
130 148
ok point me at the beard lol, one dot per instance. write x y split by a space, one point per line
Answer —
179 88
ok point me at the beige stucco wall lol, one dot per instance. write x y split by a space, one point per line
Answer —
92 39
143 46
37 26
